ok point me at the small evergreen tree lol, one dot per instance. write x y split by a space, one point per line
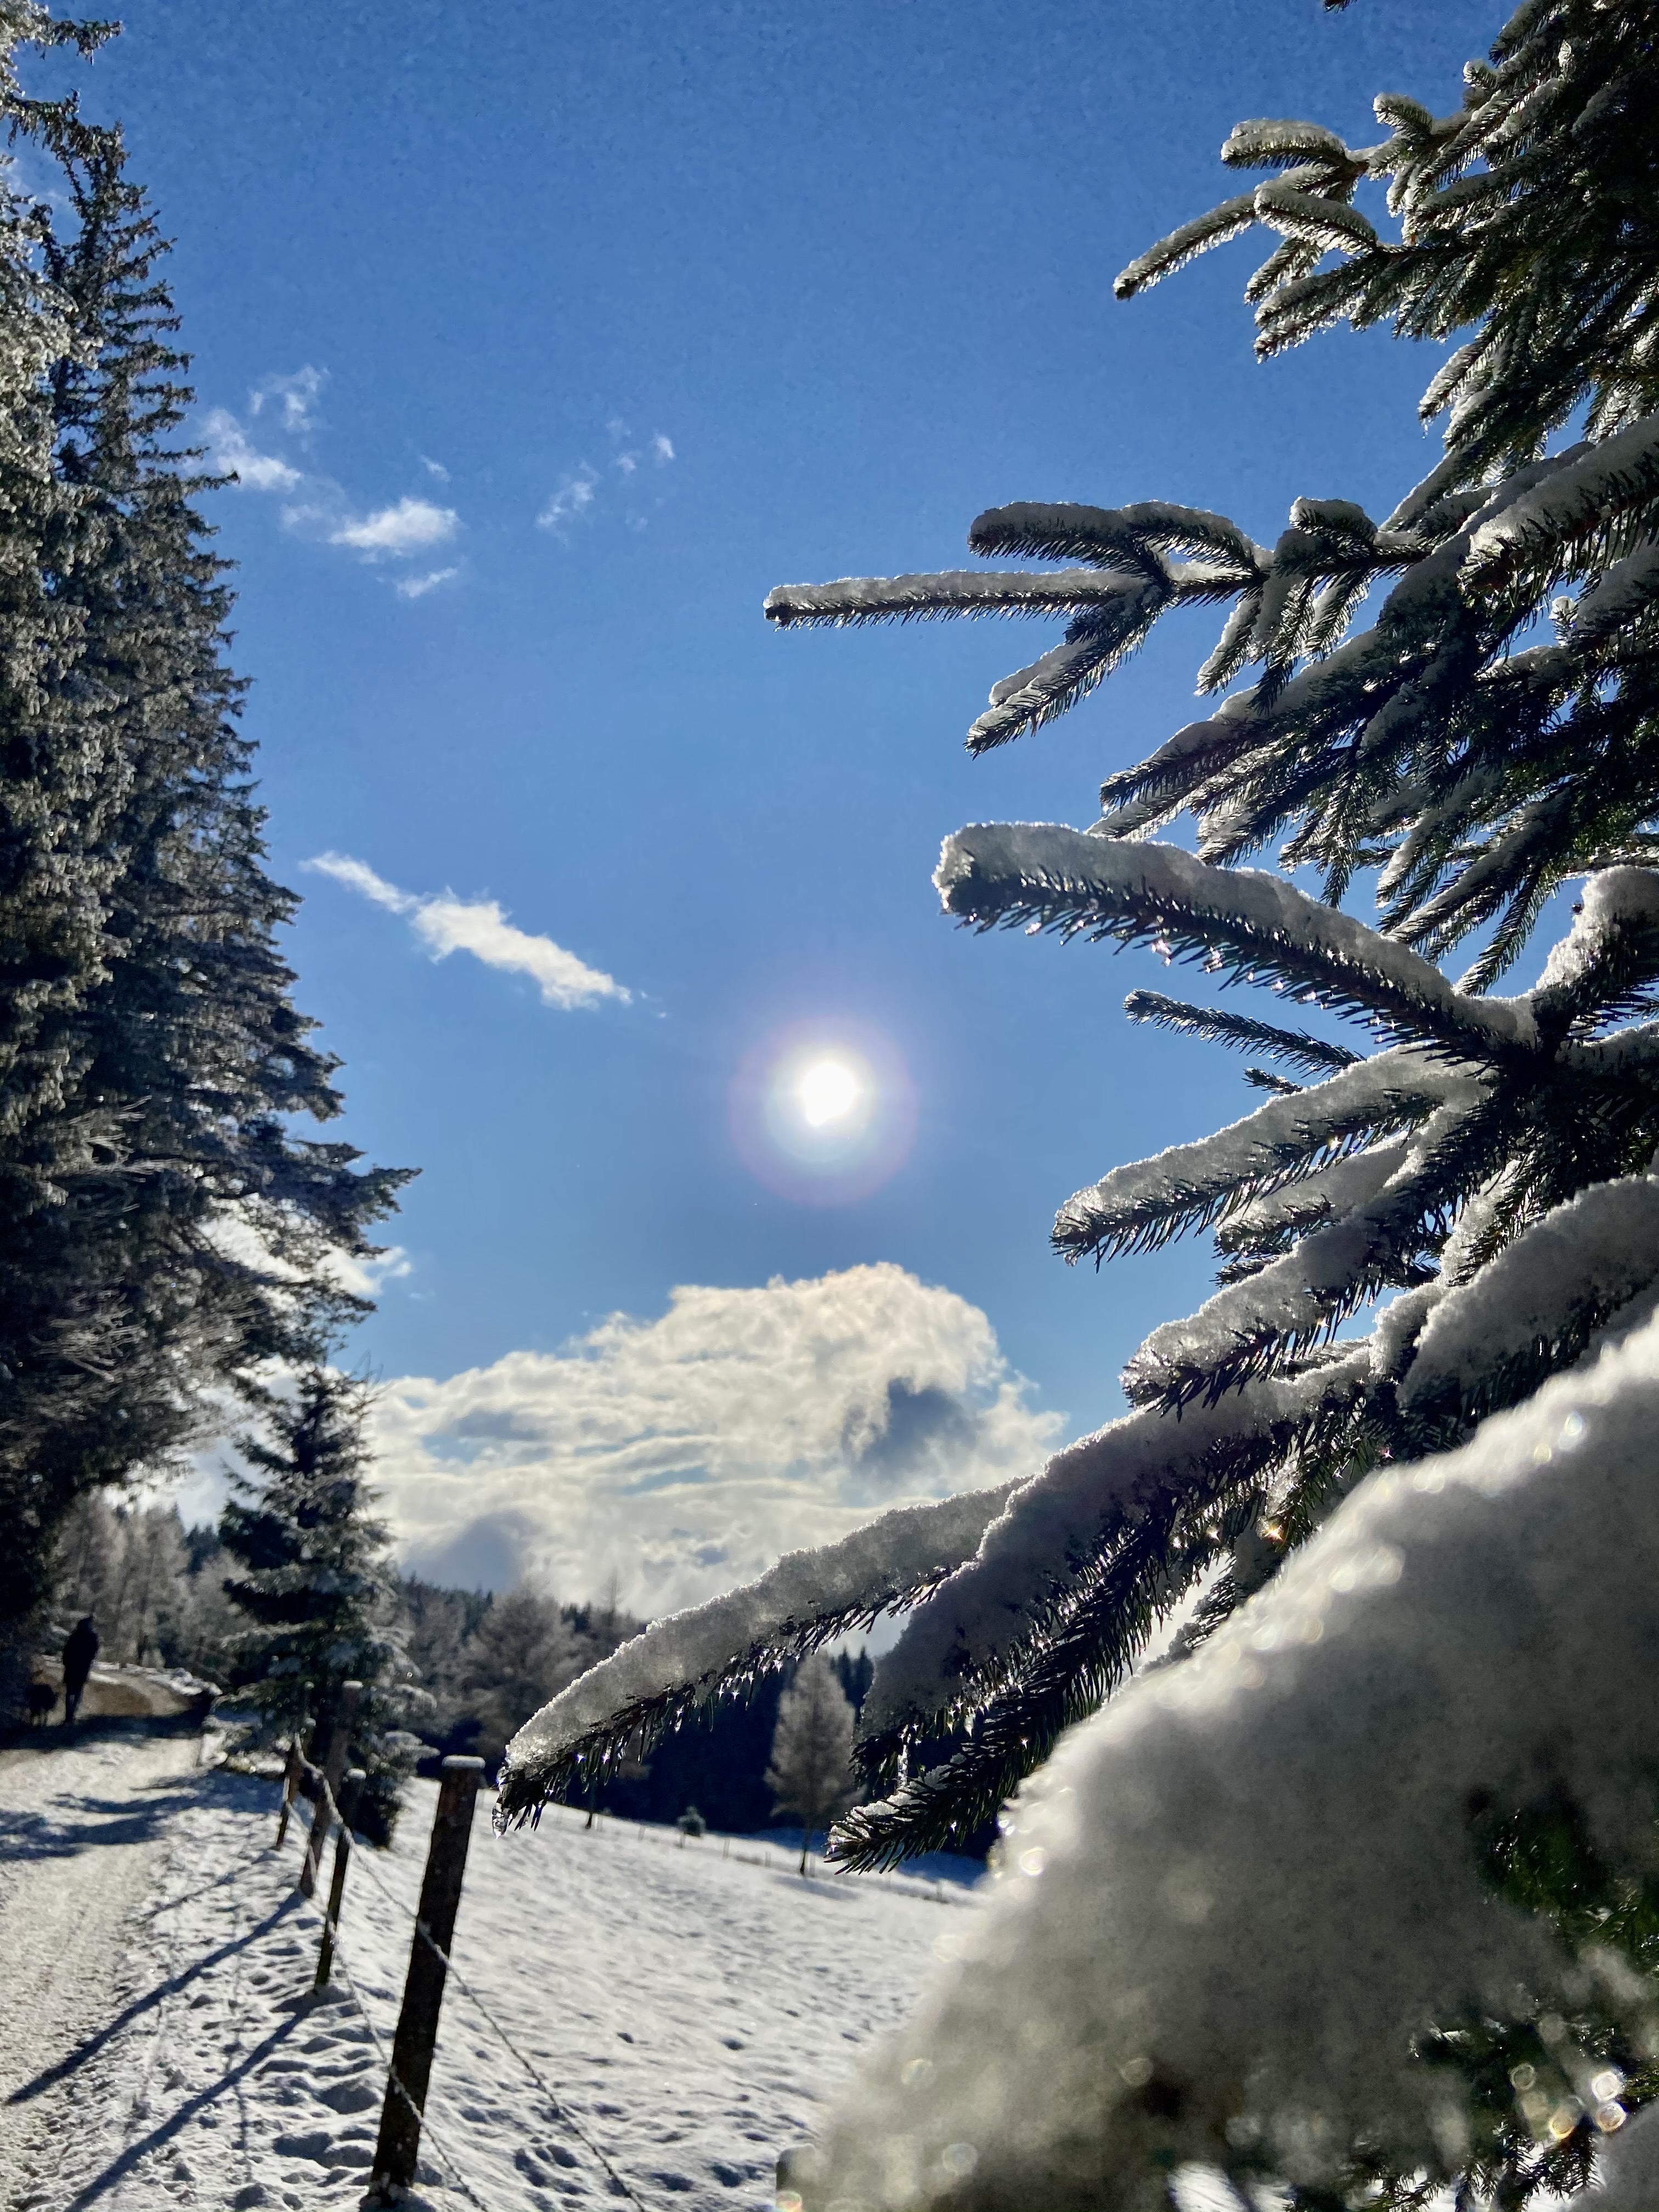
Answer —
811 1772
317 1586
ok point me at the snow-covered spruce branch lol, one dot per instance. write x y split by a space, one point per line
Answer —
1054 1530
1087 1635
1261 1225
1607 960
1247 1891
689 1659
1574 515
1255 926
1257 1325
954 591
1112 608
1139 535
1309 1054
1534 1308
1142 1205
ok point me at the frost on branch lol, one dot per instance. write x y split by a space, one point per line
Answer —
1237 1898
1088 1496
1253 925
1537 1303
686 1659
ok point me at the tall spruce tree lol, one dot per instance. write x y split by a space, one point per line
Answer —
170 1235
1476 1174
317 1586
60 786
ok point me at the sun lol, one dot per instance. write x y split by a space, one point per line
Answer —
823 1111
827 1090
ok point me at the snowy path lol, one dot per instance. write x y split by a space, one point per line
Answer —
83 1836
692 2010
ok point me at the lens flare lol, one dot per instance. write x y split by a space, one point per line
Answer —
824 1112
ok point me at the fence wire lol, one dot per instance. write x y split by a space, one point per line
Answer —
429 2133
560 2109
326 1812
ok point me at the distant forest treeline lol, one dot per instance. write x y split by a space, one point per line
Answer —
478 1665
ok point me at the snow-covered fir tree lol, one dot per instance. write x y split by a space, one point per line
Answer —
168 1225
317 1586
811 1771
1357 1897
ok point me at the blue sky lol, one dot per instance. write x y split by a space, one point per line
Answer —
556 336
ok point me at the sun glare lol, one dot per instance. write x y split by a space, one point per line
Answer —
828 1092
823 1111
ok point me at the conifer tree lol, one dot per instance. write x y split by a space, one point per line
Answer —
169 1234
317 1585
1473 1169
60 787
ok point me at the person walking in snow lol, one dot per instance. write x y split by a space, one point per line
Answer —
80 1650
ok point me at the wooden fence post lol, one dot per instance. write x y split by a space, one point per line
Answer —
350 1785
291 1773
339 1748
400 2143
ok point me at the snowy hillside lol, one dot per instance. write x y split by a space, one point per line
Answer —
691 2008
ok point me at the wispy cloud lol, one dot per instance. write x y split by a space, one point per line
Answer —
399 530
573 498
416 587
445 924
315 506
578 492
295 395
231 453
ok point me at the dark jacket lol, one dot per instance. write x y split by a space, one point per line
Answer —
80 1650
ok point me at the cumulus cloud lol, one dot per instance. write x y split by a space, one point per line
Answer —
685 1454
231 453
416 587
294 396
399 530
445 924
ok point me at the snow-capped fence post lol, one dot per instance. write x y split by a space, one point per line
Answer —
400 2143
339 1748
291 1773
353 1781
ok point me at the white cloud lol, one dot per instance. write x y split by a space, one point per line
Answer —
434 468
230 453
399 530
297 395
573 498
416 587
686 1454
445 924
577 493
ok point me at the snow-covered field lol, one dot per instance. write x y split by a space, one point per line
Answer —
689 2007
